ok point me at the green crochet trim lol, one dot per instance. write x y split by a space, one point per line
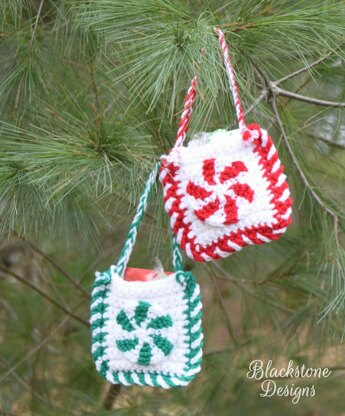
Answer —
156 379
192 313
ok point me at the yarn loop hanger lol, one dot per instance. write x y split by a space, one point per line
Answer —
191 95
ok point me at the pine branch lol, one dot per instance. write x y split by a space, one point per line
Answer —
307 67
272 86
57 266
69 175
230 348
258 100
327 141
222 306
280 91
239 283
272 92
22 382
36 23
296 163
304 179
44 295
34 350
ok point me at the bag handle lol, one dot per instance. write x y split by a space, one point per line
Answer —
231 78
126 252
186 113
191 94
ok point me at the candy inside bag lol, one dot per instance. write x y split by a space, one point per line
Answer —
133 274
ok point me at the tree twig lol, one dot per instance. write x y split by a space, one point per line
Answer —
35 349
295 161
222 306
316 101
57 266
327 141
228 349
36 23
258 100
44 295
111 395
22 382
99 110
239 283
273 91
305 68
272 86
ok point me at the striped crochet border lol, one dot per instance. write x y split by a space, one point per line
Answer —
280 197
193 314
268 159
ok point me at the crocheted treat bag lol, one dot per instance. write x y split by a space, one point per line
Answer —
226 189
146 332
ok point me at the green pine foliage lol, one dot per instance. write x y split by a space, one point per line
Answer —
90 97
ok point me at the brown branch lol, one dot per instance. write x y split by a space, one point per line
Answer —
327 141
228 349
44 295
36 23
98 106
273 90
316 101
57 266
222 306
272 86
34 350
22 382
258 100
287 100
235 28
295 161
111 395
239 283
305 68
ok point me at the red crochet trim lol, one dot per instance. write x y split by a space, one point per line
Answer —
242 237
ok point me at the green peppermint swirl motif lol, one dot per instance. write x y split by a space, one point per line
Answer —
143 333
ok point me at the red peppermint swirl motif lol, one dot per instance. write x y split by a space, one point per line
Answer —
219 195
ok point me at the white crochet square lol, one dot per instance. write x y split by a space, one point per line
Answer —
151 330
223 192
226 147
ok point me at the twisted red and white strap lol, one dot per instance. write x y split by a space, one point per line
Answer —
232 79
186 113
191 94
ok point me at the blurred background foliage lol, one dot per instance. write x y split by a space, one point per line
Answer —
90 96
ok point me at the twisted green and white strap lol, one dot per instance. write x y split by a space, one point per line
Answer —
177 259
133 230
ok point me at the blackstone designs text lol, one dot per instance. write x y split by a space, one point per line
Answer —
266 373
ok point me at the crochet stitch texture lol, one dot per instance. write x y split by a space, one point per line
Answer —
146 332
228 191
226 194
